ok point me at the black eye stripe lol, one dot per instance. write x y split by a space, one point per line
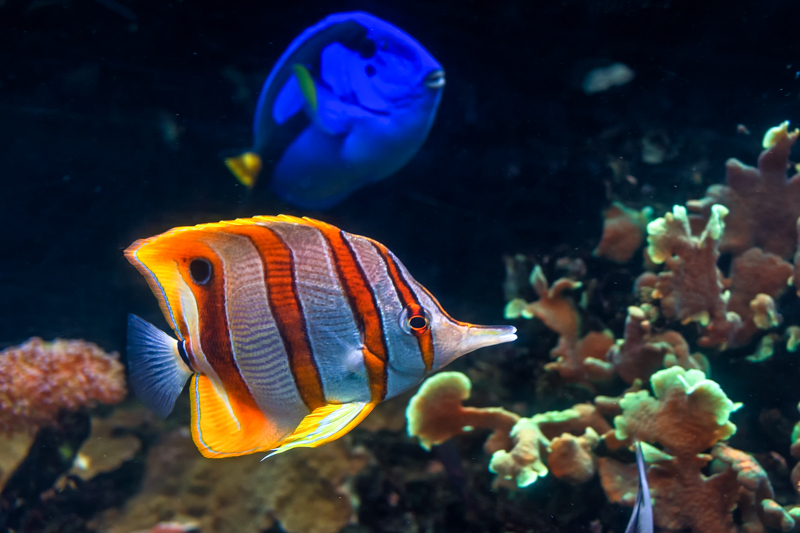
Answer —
200 270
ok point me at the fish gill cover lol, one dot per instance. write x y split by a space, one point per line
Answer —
615 179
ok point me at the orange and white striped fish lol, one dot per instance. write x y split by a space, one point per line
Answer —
290 329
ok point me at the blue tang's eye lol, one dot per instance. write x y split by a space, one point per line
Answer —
370 70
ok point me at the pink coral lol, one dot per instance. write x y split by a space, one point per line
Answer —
764 204
40 378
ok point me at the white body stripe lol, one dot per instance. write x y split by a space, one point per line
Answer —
256 344
406 367
332 330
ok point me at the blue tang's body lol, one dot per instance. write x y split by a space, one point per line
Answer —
348 103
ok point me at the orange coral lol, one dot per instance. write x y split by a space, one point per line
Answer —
757 278
691 288
764 204
623 232
642 352
436 414
577 360
40 378
518 446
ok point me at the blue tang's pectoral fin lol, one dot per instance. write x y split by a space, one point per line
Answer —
307 87
324 109
642 517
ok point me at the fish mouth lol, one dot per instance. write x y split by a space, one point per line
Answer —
484 336
435 79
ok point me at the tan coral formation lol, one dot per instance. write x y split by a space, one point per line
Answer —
306 491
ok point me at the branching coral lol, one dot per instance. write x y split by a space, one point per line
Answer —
577 360
623 232
518 446
764 205
643 352
39 378
689 413
691 289
436 414
757 279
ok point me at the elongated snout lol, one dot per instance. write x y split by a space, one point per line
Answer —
483 336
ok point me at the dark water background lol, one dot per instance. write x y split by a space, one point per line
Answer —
516 160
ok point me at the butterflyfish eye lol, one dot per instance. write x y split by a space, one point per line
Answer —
370 70
200 270
366 48
435 80
415 320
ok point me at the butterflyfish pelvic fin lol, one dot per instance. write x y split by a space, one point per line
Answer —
325 424
245 167
307 86
642 517
157 370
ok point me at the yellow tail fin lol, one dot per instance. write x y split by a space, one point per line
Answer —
245 167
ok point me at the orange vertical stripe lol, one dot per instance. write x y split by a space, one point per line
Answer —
284 302
364 304
407 297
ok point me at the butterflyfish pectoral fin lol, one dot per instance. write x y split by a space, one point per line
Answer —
307 86
245 167
325 424
157 370
223 427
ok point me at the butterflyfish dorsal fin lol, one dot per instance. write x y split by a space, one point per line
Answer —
157 370
307 86
325 424
223 427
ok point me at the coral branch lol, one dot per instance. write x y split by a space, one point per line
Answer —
623 232
764 204
691 288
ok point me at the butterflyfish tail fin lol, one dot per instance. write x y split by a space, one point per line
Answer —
157 371
642 517
246 167
307 86
325 424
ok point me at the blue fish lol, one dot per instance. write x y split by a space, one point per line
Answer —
642 517
348 103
